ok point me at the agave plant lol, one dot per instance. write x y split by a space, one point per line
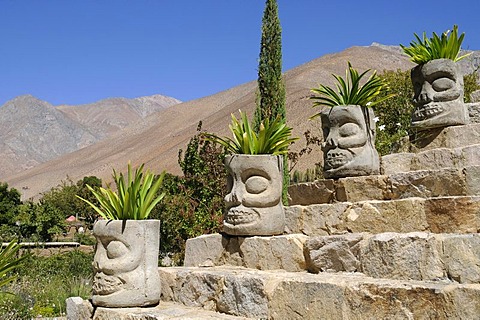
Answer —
350 91
135 197
272 138
447 46
9 261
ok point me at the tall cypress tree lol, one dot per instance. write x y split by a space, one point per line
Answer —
271 89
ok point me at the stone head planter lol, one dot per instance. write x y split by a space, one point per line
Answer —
438 95
126 263
254 202
349 142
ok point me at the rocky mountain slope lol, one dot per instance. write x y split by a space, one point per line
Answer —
33 131
158 138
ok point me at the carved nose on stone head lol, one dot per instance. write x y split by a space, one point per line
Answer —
232 199
330 142
425 96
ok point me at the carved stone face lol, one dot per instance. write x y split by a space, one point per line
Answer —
253 204
349 144
438 95
126 263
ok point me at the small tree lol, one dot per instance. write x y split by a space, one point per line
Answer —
271 88
193 203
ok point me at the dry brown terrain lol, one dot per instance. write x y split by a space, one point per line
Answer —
157 140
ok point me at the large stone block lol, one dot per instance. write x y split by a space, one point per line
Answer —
449 137
333 253
396 162
436 159
317 219
439 215
164 311
320 191
263 253
428 183
362 188
78 309
284 295
461 256
453 214
415 256
404 215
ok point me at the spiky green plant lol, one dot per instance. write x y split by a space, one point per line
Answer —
447 46
9 261
135 197
272 138
350 91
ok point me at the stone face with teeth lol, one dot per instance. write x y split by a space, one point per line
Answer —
349 142
438 95
253 203
126 263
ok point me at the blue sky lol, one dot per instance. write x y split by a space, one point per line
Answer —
75 52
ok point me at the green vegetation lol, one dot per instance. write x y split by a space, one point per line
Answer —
470 84
135 198
447 46
394 116
271 89
350 92
272 138
43 284
194 202
8 262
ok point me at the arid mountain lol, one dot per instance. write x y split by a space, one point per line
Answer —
33 131
158 139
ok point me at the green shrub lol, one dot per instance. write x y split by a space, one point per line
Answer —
193 203
44 283
394 115
470 84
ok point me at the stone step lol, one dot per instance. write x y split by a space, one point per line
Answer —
421 183
436 215
449 137
439 158
407 256
164 311
286 295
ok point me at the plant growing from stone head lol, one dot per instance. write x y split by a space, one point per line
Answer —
273 137
350 91
446 46
136 195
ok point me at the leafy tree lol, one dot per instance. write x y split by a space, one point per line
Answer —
271 88
64 198
394 115
193 203
9 202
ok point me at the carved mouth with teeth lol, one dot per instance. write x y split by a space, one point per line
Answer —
241 216
427 111
335 160
104 284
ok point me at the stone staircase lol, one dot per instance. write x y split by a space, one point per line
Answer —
400 245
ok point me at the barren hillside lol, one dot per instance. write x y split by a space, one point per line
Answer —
33 131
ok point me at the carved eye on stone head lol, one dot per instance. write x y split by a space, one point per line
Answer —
443 84
349 129
256 184
116 249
